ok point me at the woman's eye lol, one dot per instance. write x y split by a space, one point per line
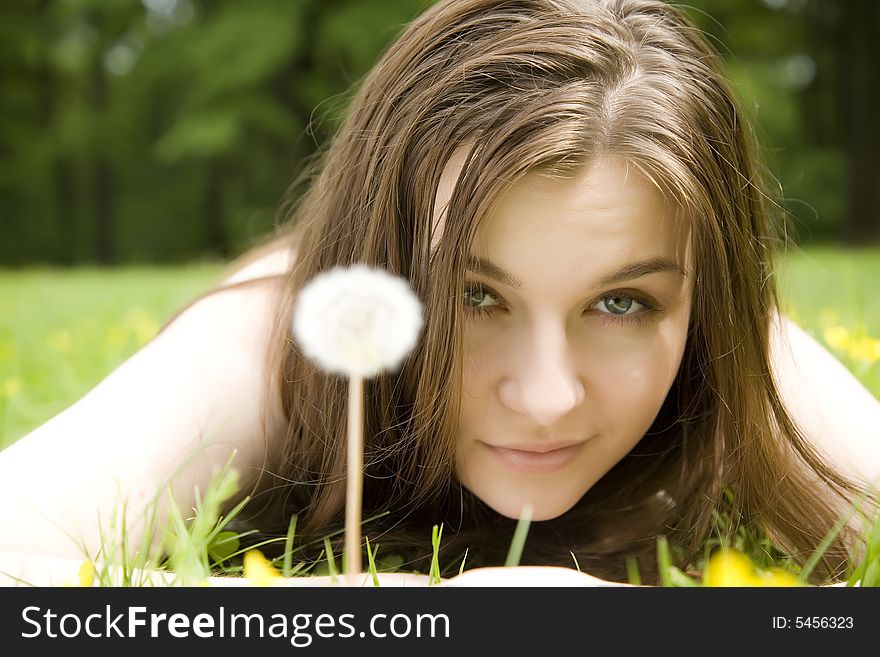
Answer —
619 305
478 297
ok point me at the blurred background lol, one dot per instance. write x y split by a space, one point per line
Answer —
158 137
166 130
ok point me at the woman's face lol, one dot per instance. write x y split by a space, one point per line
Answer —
576 314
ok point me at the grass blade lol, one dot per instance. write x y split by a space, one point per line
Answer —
514 554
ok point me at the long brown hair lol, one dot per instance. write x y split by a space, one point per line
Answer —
549 84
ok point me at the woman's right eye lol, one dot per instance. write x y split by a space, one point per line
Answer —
479 298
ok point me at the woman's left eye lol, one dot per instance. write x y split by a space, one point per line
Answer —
619 305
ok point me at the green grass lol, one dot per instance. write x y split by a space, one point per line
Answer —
825 287
62 331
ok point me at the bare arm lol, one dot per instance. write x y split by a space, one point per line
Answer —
178 407
833 409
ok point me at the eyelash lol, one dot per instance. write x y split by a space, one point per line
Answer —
608 319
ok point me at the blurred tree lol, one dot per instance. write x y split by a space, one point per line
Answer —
162 130
806 70
851 30
228 107
168 129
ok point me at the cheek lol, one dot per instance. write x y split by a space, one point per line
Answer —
629 385
476 387
483 358
479 409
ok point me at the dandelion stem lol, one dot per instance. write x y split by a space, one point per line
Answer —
353 491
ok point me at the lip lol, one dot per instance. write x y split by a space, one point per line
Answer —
534 462
542 447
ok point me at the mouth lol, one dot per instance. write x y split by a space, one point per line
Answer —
537 462
543 447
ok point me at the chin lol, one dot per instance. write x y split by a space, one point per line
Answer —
540 511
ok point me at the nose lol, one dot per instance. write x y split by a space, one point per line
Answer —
543 383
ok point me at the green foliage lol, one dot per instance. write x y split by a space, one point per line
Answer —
632 571
286 569
670 575
61 332
825 287
797 86
189 551
195 546
330 563
436 537
371 563
730 531
137 135
867 570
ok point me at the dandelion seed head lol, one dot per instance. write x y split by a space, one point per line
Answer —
357 320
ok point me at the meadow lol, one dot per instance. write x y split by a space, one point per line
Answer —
62 331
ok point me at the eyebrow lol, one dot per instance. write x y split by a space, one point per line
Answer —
628 272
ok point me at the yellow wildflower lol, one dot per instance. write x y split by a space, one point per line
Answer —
59 340
11 387
116 335
260 570
142 325
864 349
732 568
86 574
837 337
729 568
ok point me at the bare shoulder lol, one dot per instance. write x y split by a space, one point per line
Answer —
835 411
270 262
226 340
836 414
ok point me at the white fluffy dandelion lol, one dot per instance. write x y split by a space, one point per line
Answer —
356 321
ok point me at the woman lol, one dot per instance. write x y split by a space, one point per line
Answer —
571 189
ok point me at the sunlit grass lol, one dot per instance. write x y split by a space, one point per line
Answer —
62 331
832 294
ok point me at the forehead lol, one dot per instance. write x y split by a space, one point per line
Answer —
445 187
608 204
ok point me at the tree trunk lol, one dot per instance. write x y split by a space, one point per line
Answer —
216 239
102 174
63 173
859 104
64 183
